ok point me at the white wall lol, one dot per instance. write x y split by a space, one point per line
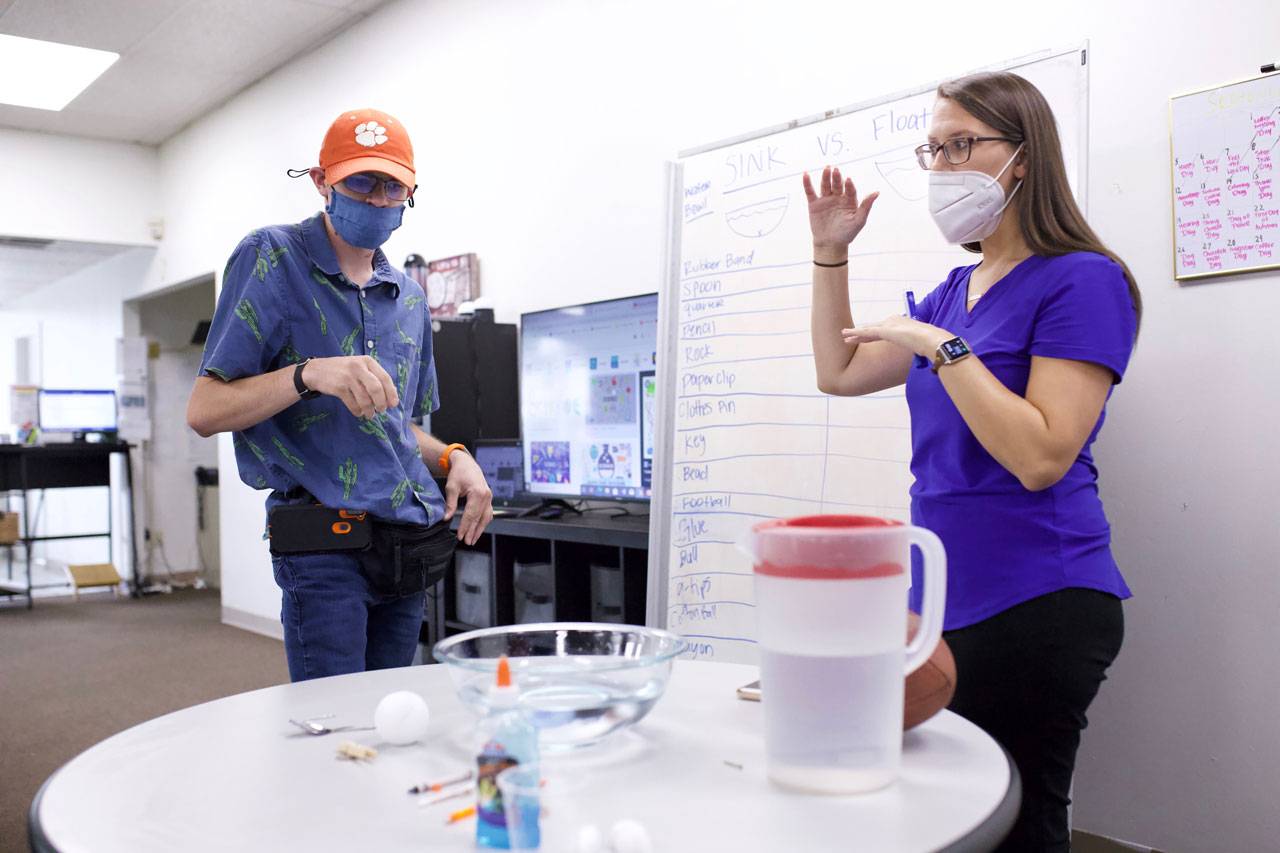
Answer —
68 188
541 129
167 495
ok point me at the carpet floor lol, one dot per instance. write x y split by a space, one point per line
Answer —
74 673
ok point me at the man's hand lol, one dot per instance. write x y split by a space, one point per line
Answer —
467 480
357 380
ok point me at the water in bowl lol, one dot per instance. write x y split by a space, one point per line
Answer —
571 709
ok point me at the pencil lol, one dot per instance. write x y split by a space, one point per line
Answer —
440 798
461 814
427 787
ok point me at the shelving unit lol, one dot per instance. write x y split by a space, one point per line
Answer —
571 545
25 469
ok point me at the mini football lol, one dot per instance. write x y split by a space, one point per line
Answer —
929 689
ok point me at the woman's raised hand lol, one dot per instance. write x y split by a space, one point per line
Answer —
835 216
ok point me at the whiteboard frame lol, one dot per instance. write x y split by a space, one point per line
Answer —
664 434
1082 172
669 302
1173 201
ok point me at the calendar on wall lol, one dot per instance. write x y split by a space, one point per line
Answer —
1226 213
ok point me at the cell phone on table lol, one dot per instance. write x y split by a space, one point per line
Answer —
750 692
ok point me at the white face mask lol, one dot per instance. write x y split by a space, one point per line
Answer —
967 206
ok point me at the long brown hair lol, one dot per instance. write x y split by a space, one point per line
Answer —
1052 223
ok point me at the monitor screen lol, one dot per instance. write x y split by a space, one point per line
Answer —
587 395
503 465
77 411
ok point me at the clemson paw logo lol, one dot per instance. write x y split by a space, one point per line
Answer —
370 133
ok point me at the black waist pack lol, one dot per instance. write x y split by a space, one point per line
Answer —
404 559
312 528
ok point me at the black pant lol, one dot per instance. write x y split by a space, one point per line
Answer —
1026 676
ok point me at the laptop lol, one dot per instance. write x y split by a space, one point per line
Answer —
502 461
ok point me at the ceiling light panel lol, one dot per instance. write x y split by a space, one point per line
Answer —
46 75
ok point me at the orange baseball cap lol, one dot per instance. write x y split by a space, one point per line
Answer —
367 141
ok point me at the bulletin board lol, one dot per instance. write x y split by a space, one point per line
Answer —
1226 216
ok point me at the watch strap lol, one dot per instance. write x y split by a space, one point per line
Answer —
303 391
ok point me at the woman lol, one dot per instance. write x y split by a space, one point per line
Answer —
1008 366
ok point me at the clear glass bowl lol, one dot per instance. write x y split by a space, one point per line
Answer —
579 681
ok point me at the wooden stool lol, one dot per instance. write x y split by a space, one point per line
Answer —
94 574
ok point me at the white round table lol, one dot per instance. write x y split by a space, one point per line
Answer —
233 774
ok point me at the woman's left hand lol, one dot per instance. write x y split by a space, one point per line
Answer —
920 338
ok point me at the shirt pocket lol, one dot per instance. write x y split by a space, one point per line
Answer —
401 365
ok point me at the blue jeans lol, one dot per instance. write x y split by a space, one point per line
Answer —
335 624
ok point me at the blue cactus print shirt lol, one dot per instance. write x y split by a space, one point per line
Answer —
285 299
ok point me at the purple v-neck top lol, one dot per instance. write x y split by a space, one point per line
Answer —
1005 544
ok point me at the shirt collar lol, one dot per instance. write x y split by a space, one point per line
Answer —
321 253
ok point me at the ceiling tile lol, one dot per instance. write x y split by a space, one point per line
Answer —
156 93
363 6
126 128
104 24
181 58
237 33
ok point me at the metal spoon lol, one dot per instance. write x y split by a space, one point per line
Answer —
311 727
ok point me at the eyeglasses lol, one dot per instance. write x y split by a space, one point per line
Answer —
957 150
365 184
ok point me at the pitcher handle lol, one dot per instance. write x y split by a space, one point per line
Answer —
933 604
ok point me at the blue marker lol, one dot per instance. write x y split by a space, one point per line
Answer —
920 361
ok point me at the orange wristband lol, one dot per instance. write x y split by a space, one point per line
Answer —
444 457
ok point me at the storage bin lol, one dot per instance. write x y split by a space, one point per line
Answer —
606 594
473 591
9 531
535 588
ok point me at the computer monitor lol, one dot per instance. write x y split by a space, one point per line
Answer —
77 410
587 395
502 462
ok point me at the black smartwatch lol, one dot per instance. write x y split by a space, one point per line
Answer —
304 392
949 352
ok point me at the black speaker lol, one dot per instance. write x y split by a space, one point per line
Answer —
478 377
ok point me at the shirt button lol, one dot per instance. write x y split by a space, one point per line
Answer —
370 343
363 294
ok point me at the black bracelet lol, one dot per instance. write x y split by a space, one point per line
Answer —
843 263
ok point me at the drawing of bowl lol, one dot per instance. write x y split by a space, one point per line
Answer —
758 218
905 177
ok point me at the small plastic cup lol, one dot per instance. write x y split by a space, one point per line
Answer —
548 807
522 804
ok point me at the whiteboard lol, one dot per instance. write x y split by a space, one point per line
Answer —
1224 146
745 435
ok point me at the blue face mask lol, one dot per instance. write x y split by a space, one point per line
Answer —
361 224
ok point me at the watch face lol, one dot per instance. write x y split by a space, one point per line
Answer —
954 348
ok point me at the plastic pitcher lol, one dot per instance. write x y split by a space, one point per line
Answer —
831 608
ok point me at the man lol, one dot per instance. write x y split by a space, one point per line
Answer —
318 359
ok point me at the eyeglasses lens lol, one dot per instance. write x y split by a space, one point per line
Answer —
366 184
957 151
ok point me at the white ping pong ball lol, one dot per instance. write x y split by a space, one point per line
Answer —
401 717
629 836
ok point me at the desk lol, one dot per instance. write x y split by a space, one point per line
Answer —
234 775
59 466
